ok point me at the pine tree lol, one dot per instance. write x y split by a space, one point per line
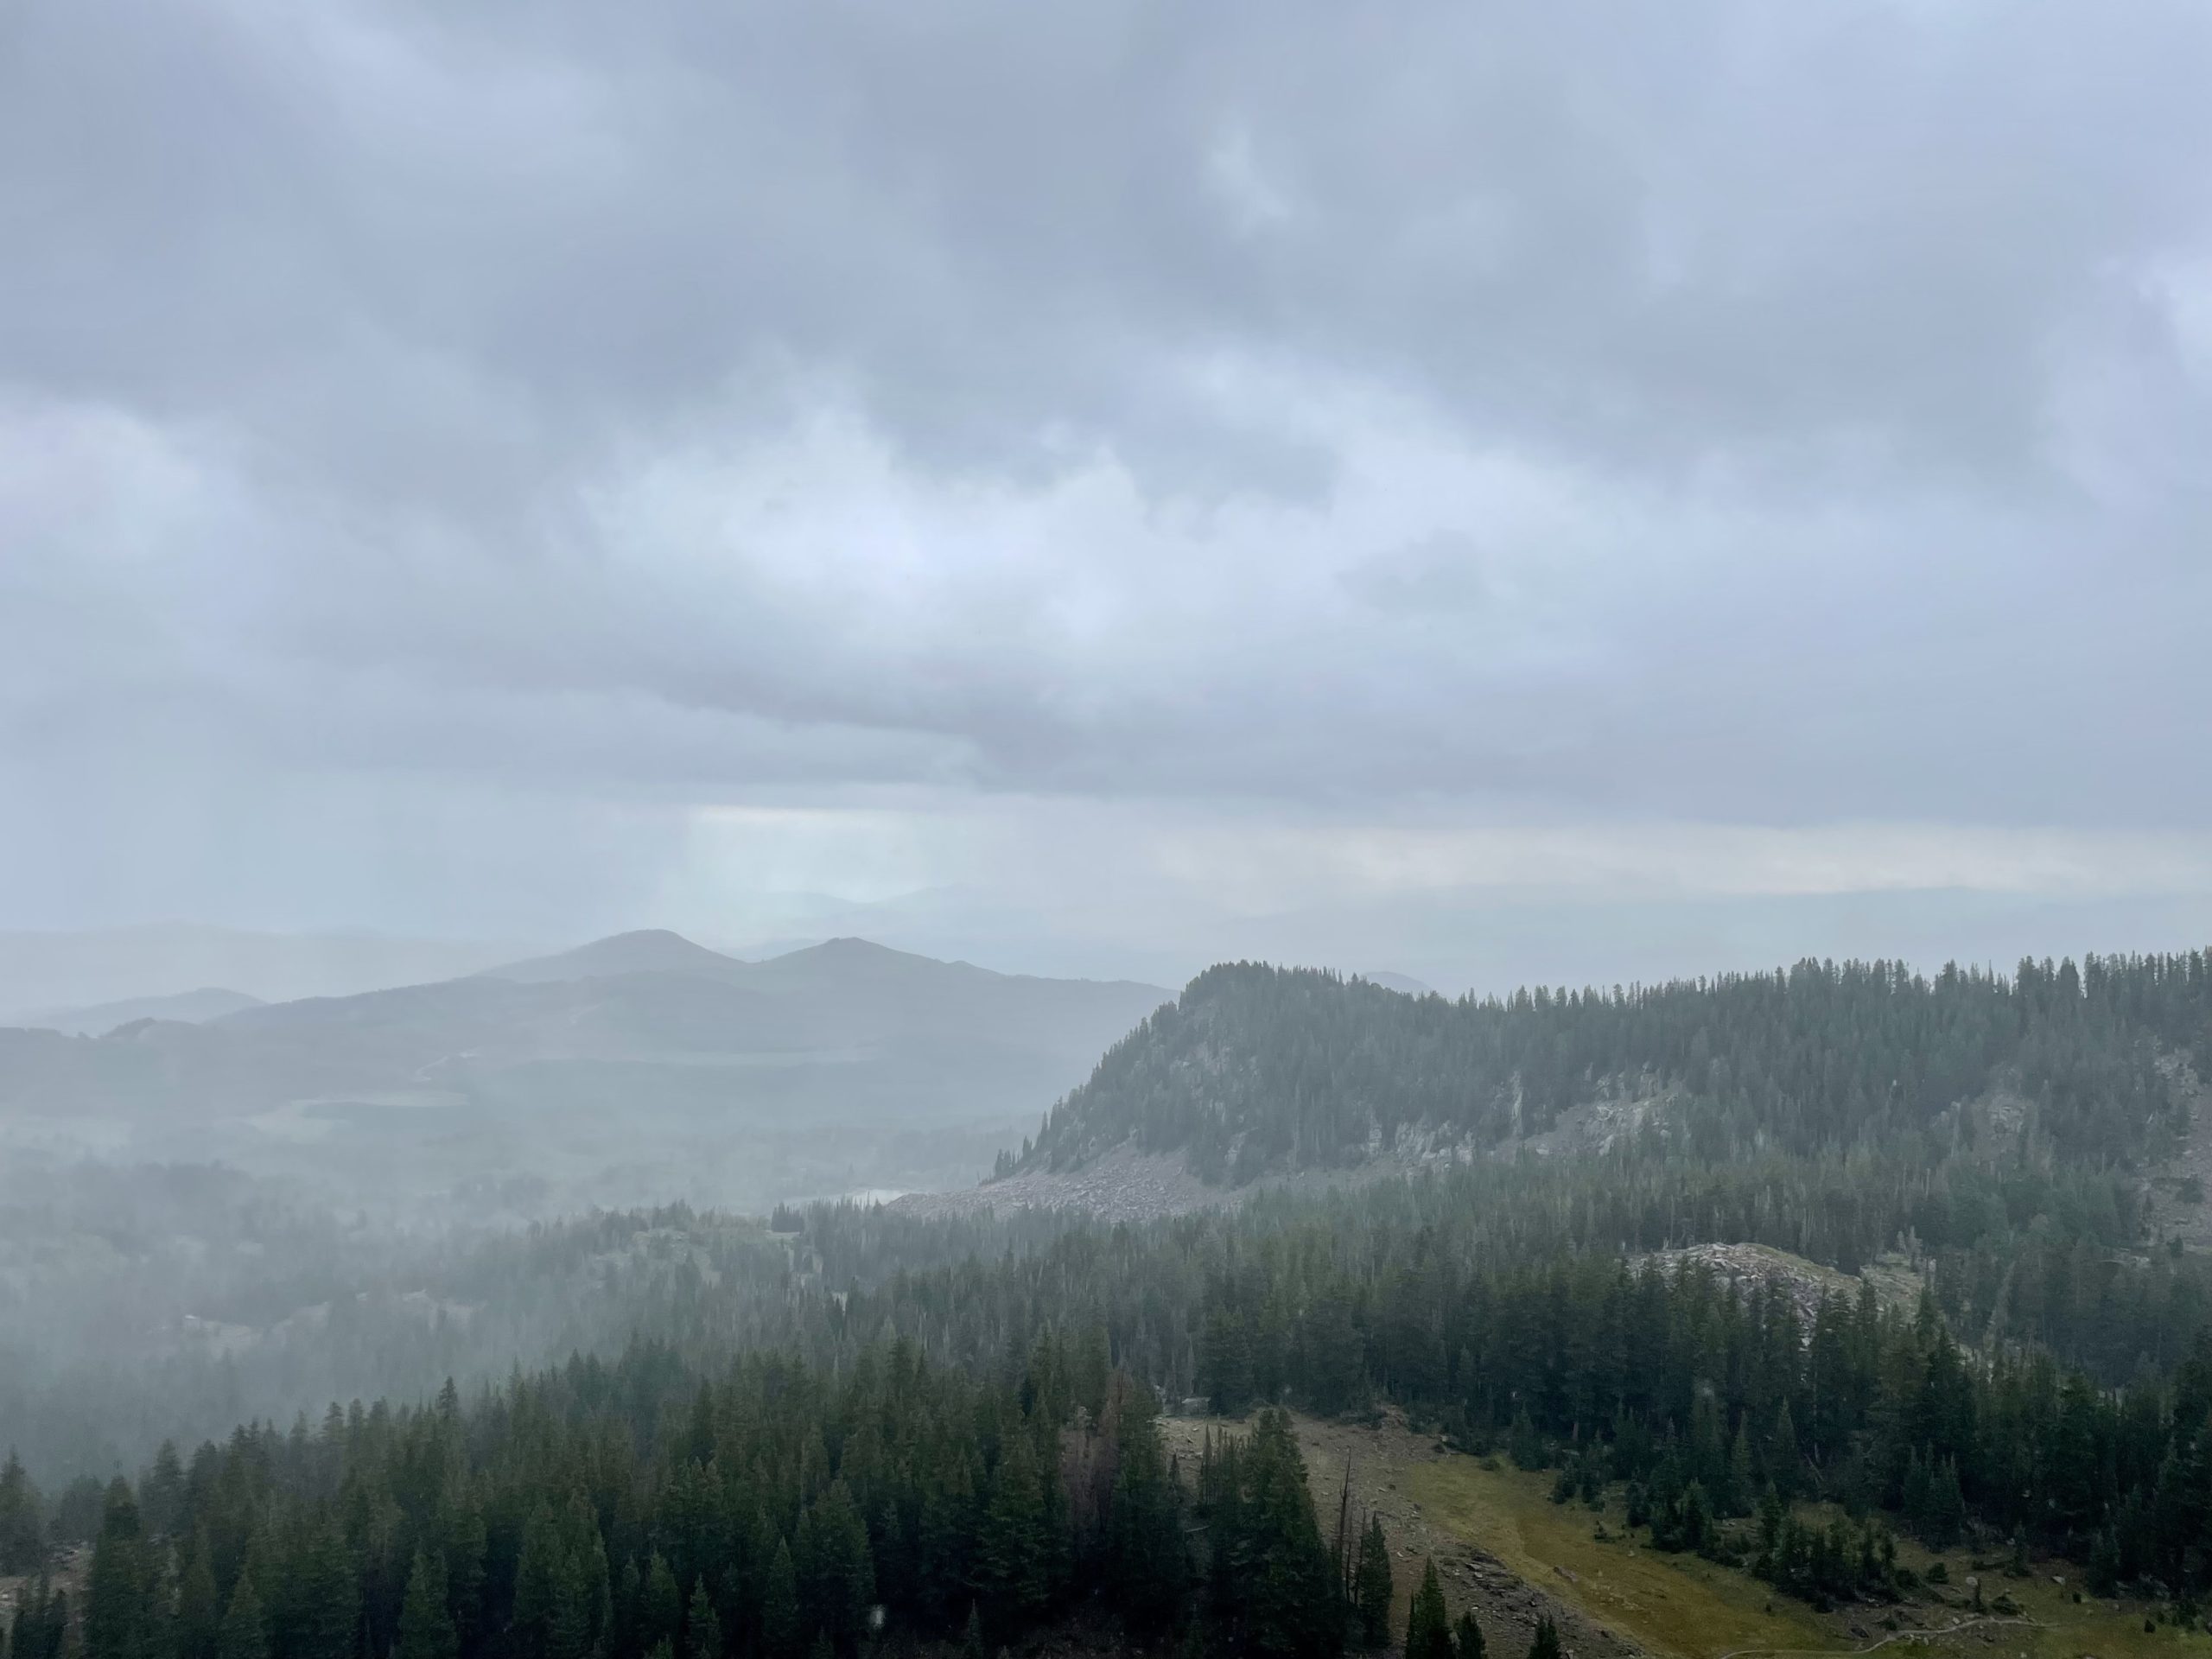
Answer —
661 1616
1428 1625
245 1629
703 1627
1947 1508
1147 1564
1280 1570
21 1541
327 1599
123 1619
1012 1555
1545 1644
1526 1447
1782 1456
160 1495
1743 1472
1467 1638
1372 1587
781 1633
464 1561
836 1574
426 1629
199 1608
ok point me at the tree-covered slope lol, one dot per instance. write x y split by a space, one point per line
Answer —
1255 1070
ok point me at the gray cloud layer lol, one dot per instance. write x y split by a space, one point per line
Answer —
444 449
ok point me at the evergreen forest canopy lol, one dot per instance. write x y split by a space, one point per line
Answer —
1254 1070
769 1439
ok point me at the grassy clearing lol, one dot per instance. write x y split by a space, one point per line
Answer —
1679 1605
1671 1604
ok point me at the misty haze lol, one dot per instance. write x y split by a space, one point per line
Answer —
990 832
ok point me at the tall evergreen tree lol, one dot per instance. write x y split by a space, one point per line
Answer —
244 1633
198 1606
702 1628
426 1627
124 1619
1291 1602
1013 1554
1147 1564
661 1615
782 1636
22 1541
1371 1586
1428 1624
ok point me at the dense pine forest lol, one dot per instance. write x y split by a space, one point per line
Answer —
1257 1069
851 1425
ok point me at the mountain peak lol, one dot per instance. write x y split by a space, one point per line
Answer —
643 951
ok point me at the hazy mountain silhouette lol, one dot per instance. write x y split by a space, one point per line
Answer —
641 1047
191 1008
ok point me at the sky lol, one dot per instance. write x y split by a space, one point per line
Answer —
1492 493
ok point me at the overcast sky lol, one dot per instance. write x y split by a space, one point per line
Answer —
1168 477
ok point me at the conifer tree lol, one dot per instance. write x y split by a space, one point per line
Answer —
836 1575
1291 1604
1545 1643
1012 1555
123 1619
781 1634
703 1627
244 1633
1467 1638
22 1544
1372 1587
199 1608
1428 1625
426 1629
1147 1564
661 1615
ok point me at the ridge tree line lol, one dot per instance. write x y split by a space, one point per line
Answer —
1256 1069
632 1511
625 1511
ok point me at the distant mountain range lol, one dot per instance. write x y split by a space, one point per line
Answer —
188 1007
41 972
649 1002
644 1053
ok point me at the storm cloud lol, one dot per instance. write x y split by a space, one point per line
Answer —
535 467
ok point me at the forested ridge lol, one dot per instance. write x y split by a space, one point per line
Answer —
1257 1069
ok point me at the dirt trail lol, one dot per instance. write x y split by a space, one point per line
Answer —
1505 1605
